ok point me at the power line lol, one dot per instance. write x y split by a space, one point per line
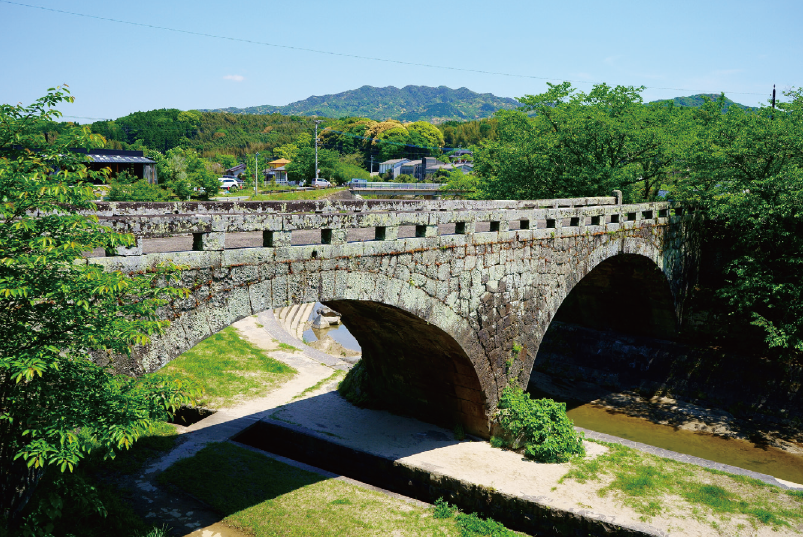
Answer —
341 54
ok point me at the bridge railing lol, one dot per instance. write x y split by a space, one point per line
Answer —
111 208
431 220
378 185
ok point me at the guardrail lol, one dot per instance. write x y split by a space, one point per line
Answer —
209 230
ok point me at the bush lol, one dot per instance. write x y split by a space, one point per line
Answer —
139 191
470 524
540 426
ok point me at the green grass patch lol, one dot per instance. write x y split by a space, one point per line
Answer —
644 482
265 497
287 347
317 386
228 369
298 195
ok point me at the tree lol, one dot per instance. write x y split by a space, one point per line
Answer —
56 402
186 173
578 144
303 167
745 168
126 187
425 134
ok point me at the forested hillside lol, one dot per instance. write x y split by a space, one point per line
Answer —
695 101
209 133
410 103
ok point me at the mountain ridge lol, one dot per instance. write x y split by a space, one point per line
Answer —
416 103
410 103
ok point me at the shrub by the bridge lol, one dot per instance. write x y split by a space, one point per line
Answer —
540 426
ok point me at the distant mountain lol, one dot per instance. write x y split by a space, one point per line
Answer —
410 103
694 101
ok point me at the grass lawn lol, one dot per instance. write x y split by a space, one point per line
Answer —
228 369
298 195
653 486
265 497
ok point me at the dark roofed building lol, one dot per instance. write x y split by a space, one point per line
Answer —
235 171
118 160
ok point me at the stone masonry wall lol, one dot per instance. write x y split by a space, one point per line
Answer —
486 290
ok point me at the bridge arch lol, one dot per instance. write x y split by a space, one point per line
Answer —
421 356
623 287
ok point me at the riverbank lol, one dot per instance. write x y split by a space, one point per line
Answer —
309 401
322 412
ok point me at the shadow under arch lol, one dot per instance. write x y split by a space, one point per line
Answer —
413 367
606 330
626 293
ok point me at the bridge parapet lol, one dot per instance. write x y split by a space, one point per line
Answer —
541 219
332 206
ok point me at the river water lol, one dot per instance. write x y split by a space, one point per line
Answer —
740 453
340 334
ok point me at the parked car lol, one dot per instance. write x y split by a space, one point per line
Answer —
240 182
229 184
321 183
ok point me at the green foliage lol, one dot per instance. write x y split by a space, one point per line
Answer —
354 387
459 432
209 133
303 167
138 191
345 172
746 169
700 99
468 133
185 173
56 403
442 509
578 144
470 524
540 426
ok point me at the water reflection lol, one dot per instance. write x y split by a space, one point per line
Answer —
339 333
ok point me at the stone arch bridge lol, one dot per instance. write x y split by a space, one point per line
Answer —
448 299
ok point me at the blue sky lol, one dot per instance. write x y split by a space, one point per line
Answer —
113 69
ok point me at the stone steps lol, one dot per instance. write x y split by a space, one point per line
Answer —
293 319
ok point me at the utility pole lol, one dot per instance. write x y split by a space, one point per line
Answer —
316 148
256 169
